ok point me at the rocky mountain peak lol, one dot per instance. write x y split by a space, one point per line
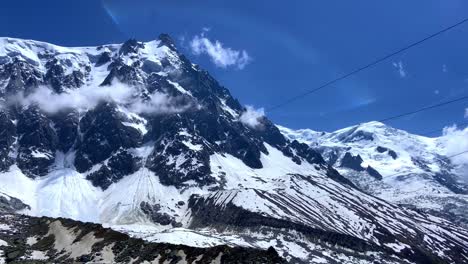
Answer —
167 41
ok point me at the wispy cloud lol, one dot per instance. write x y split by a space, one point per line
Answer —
252 117
88 97
444 68
400 67
466 112
220 55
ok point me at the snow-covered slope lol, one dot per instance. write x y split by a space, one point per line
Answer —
141 140
408 169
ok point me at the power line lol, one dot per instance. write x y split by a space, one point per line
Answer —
458 154
373 63
430 132
424 108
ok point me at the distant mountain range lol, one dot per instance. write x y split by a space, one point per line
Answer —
137 138
394 165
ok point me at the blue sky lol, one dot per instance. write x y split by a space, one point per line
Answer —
292 47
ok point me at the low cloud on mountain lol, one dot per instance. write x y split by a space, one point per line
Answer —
252 117
160 103
88 97
455 141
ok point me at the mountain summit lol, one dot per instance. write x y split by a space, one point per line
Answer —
136 137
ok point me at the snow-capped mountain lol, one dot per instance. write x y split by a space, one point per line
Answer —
136 137
394 165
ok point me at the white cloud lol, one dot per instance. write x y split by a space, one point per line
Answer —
221 56
401 70
455 141
88 97
160 103
253 117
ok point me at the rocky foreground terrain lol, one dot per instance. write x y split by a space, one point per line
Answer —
25 239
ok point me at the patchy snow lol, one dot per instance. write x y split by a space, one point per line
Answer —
397 247
188 237
3 243
180 88
107 255
6 197
134 120
138 126
228 109
65 240
190 145
319 260
37 154
39 255
31 241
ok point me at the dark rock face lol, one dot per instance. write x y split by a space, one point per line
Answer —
104 58
352 162
37 142
118 166
66 128
449 181
130 46
7 139
108 246
390 152
355 135
304 151
381 149
153 211
123 73
374 173
10 204
420 164
20 77
57 77
177 163
102 134
335 175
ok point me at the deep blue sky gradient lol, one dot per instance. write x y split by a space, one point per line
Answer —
295 46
